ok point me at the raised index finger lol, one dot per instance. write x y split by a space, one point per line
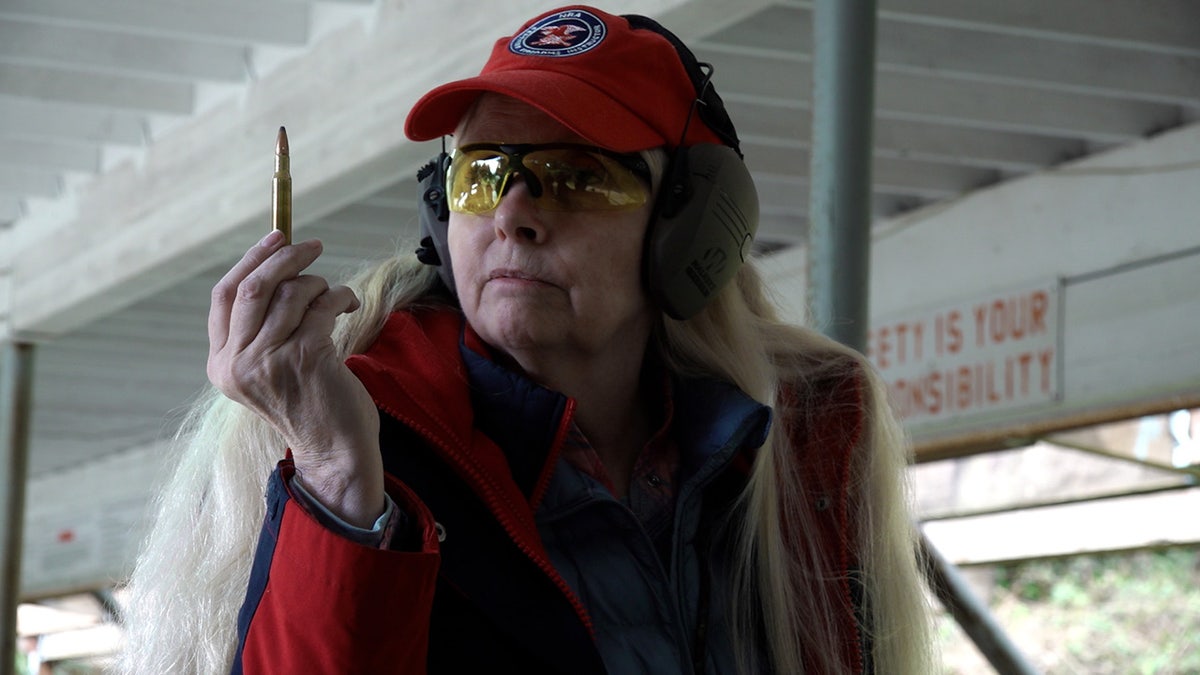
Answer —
225 292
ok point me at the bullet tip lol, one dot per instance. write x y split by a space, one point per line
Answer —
281 142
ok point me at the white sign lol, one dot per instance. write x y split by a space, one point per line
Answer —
75 548
986 354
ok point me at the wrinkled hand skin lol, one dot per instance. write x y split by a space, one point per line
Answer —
270 349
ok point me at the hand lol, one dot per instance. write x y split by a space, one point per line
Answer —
270 349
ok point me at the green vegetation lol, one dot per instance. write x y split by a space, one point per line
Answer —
1118 614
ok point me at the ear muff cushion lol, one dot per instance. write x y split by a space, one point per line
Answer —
696 247
434 218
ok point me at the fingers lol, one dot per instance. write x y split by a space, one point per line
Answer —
224 293
270 326
323 310
286 309
253 289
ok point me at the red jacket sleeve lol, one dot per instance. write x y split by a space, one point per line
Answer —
320 603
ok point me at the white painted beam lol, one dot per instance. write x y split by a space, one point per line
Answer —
922 140
26 119
150 348
895 176
49 155
1168 26
111 418
784 122
786 76
981 148
101 90
182 333
752 80
17 182
791 193
788 30
984 56
977 53
223 21
694 20
1117 524
925 179
120 53
10 210
1008 107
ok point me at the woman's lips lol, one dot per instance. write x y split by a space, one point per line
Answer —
506 274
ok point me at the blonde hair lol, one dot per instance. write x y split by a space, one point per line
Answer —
783 579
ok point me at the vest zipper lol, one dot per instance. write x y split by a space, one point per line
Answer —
501 508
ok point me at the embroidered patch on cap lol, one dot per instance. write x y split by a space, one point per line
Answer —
564 34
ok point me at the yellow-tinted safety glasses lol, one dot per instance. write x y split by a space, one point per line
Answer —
559 176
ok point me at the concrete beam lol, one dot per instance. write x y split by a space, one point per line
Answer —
980 52
121 53
52 155
1169 27
18 182
1097 526
107 91
263 21
26 119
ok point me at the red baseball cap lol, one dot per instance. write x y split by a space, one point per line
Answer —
620 87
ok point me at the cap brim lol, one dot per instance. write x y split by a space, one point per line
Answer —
576 104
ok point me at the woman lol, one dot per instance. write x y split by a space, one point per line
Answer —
525 465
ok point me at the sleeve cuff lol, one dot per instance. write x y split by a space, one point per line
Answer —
377 536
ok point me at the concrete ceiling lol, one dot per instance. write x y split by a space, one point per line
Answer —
969 93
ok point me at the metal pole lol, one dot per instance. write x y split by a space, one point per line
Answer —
971 614
839 249
839 243
16 384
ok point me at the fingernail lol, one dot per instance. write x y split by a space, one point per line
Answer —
271 239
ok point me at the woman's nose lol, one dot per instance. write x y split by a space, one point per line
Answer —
517 214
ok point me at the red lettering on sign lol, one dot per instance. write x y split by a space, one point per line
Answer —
974 386
1011 318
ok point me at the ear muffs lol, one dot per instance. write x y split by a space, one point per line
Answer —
434 217
706 213
702 230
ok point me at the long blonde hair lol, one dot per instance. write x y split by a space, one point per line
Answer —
779 599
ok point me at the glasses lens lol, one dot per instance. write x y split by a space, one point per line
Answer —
476 179
574 179
571 179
